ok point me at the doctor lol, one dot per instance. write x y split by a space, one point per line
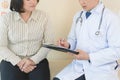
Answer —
95 35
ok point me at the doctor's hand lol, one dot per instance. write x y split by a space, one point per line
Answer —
82 55
63 43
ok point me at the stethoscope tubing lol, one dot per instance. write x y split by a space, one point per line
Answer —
81 20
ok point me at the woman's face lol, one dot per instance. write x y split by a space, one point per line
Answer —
88 4
29 5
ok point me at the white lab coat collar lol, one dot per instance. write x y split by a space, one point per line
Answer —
98 9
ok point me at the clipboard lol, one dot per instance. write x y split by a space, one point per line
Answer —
59 48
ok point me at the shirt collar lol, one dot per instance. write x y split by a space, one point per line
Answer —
32 17
16 15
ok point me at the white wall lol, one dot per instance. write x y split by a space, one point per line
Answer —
114 5
61 13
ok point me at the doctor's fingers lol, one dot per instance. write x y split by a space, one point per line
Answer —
62 42
70 53
77 57
82 56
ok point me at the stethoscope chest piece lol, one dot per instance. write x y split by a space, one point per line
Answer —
97 33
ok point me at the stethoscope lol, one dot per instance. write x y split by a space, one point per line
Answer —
81 20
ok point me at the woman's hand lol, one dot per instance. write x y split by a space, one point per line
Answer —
26 65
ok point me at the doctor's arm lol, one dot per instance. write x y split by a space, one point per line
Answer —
82 55
72 40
